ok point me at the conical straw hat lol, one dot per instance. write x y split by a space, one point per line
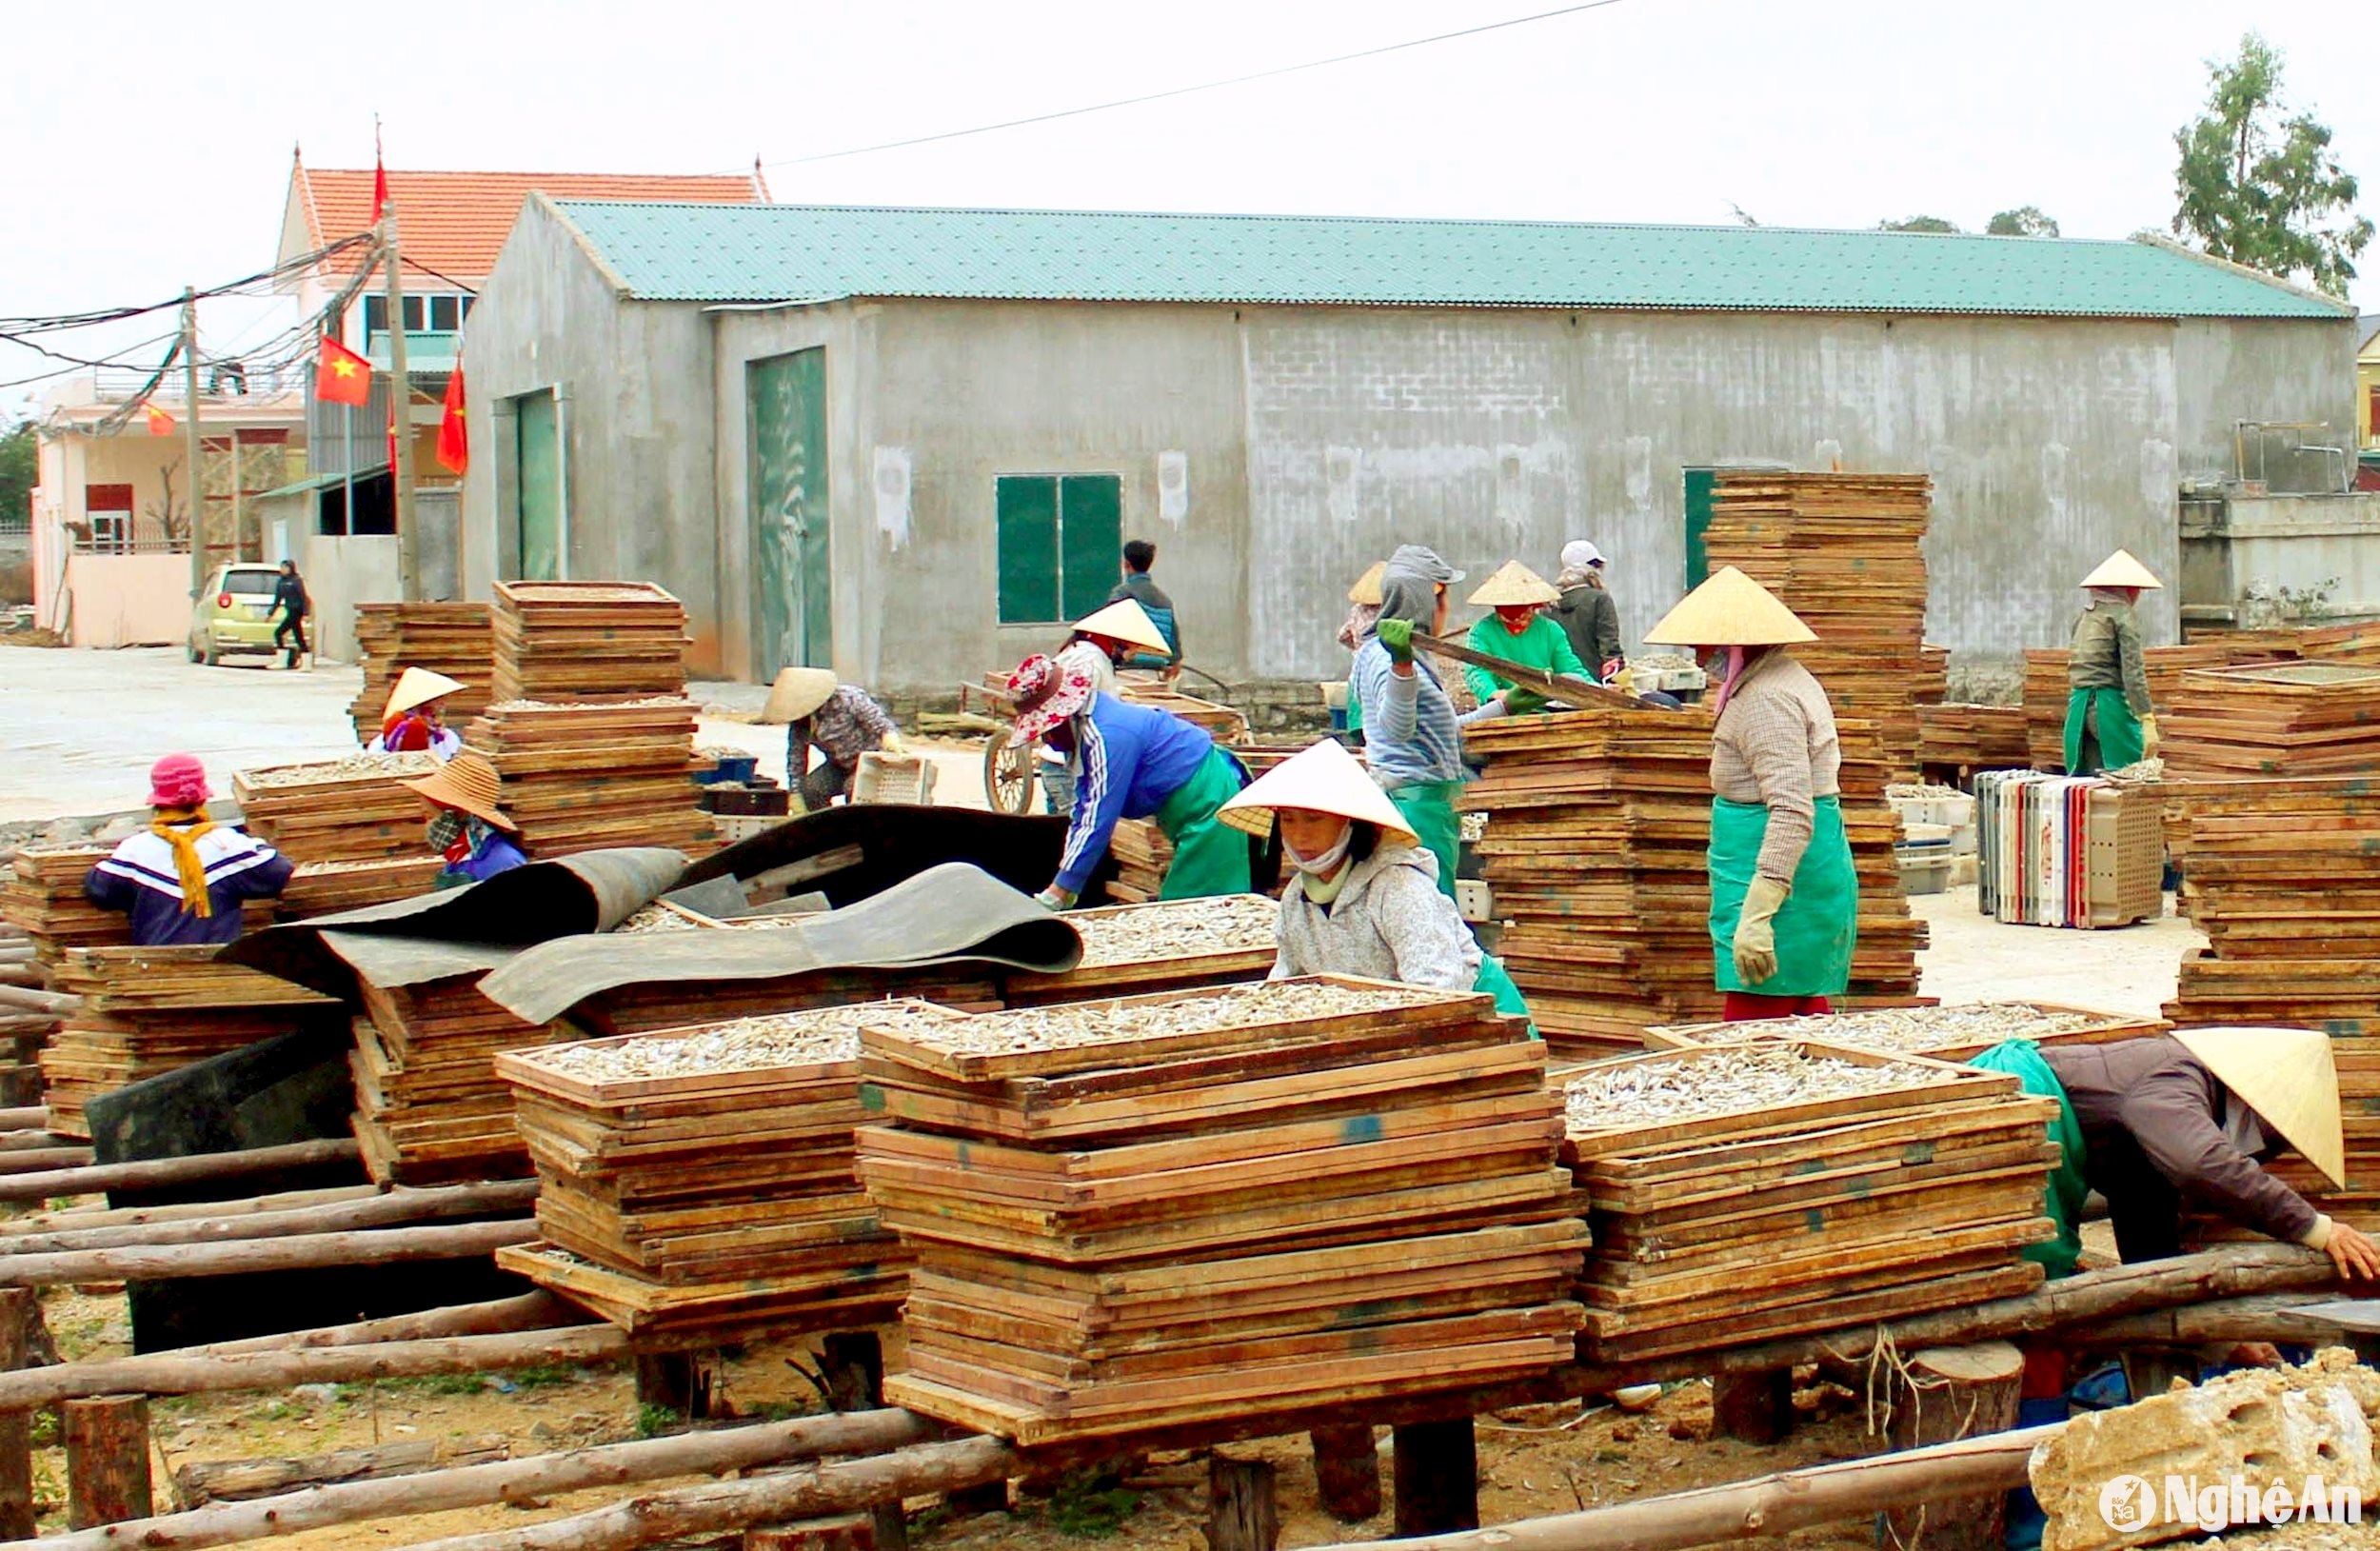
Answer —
417 686
1367 588
2285 1075
1513 585
1325 779
1730 609
467 782
798 692
1124 621
2121 570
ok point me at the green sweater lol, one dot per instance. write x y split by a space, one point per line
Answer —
1543 646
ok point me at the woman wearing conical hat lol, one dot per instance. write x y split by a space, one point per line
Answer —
1364 899
1784 900
1102 642
467 828
2110 722
1519 631
415 718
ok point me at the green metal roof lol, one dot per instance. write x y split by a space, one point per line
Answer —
808 253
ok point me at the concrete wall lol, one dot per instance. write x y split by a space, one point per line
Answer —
633 384
128 600
2240 556
2292 369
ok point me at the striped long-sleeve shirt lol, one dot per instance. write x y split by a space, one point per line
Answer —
1775 745
1409 728
1130 760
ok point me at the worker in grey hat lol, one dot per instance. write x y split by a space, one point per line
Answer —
1412 740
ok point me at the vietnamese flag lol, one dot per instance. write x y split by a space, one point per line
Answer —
160 423
341 376
454 438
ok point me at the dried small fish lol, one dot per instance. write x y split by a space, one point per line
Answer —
1076 1025
1911 1030
820 1037
650 701
1925 790
1176 929
660 918
355 767
384 864
1724 1080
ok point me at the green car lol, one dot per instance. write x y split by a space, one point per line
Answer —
234 614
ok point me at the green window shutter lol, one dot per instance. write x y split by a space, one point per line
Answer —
1027 521
1091 539
1701 488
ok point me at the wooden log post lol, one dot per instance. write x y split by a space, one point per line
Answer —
674 1381
18 1310
107 1460
1753 1407
1945 1394
1438 1477
294 1252
157 1173
202 1481
1240 1514
852 1363
1347 1472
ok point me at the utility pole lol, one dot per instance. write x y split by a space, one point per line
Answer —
401 410
190 422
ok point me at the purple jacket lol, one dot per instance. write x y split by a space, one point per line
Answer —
140 880
494 853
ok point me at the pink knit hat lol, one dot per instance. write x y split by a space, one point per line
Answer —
178 781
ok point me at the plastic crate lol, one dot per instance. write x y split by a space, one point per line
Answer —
736 826
1475 900
2127 857
893 778
1931 875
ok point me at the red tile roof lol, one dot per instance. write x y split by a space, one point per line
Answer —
456 222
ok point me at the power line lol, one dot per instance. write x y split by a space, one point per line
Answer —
61 323
1189 90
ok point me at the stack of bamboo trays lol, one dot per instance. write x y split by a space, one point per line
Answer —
585 776
1142 853
1944 1033
1977 737
353 809
1845 552
1222 722
2046 691
146 1011
43 898
321 888
1748 1193
1163 1211
451 638
579 642
1596 852
2341 644
696 1186
2278 719
1168 946
429 1106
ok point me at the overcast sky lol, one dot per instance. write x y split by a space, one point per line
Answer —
144 151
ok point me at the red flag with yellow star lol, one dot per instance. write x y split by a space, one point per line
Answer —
160 423
341 376
454 439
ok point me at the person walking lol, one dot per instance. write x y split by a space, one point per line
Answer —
2110 722
1138 586
1586 611
1784 897
1412 740
184 878
291 603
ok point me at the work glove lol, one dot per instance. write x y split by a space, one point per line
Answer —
1054 897
1397 639
2148 737
1520 701
1756 930
892 744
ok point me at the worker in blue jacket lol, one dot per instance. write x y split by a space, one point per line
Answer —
1132 762
184 878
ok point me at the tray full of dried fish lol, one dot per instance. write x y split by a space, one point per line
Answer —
1714 1092
1162 945
816 1044
1947 1033
1078 1036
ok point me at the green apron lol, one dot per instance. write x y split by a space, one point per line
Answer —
1819 923
1429 806
1493 980
1210 857
2121 742
2021 1058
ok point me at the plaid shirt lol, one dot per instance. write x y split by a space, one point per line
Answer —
1775 745
845 727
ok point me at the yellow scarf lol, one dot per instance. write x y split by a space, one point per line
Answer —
182 829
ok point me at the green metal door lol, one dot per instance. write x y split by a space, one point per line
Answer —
536 470
793 606
1091 539
1025 516
1701 485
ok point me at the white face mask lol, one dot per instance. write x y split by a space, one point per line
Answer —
1324 865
